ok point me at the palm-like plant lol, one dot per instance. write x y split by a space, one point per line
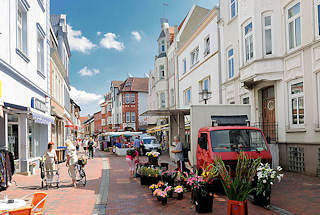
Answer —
238 187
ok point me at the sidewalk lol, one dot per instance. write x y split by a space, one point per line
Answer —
66 200
127 196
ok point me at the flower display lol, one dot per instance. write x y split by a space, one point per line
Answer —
178 189
162 194
168 189
160 184
156 192
169 174
266 177
148 171
153 154
153 186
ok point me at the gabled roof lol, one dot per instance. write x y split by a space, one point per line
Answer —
133 84
116 83
162 34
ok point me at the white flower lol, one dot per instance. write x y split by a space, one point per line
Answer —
279 178
281 175
279 168
264 181
271 183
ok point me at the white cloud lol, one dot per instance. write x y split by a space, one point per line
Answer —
136 35
109 42
78 42
98 33
88 72
82 97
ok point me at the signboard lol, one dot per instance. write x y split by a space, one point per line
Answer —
38 104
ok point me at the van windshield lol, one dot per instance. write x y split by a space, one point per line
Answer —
237 140
149 141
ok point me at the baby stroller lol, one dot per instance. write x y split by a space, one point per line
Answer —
45 175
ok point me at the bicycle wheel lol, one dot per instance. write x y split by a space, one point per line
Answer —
83 177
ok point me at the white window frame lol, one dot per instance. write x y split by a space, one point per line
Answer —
127 98
132 99
266 28
231 2
194 56
293 19
127 116
162 100
186 101
248 37
133 116
184 64
103 122
317 18
161 72
318 97
230 58
295 96
40 53
172 97
206 46
22 44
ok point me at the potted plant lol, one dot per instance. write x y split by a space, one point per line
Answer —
143 172
265 179
179 191
169 191
153 158
156 193
238 187
169 176
163 197
153 187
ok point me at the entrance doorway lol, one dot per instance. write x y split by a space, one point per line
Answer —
268 114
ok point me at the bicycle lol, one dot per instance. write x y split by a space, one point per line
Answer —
80 173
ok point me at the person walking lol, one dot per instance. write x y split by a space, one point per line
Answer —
72 159
179 154
85 146
136 144
132 159
91 147
51 159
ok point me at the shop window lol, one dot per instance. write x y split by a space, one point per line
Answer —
34 139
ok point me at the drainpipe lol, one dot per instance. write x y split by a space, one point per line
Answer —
219 55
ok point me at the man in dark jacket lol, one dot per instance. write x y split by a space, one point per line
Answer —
90 147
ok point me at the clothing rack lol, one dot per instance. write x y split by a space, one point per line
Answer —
7 168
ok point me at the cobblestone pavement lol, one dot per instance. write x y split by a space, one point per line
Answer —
127 196
66 200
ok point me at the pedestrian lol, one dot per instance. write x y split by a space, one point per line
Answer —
179 154
51 159
136 144
132 159
91 145
85 146
72 159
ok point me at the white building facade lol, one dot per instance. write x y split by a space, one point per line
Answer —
24 64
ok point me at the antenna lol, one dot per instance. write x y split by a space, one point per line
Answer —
164 20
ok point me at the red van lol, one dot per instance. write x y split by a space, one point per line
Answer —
227 140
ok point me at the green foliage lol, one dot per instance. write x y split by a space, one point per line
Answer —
148 171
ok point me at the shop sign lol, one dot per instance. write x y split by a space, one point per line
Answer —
38 104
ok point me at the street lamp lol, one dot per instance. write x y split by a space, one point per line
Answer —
205 95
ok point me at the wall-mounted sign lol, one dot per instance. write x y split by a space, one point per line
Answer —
38 105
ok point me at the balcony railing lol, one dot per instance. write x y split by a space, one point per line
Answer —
270 130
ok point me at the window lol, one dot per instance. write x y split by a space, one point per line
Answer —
248 42
127 116
133 116
34 139
187 96
195 56
318 93
40 55
296 100
161 69
21 29
230 63
233 8
103 122
267 35
127 99
162 100
204 84
317 2
133 99
207 46
184 66
171 97
163 49
103 110
246 101
294 26
124 117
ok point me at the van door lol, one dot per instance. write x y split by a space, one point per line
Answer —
203 157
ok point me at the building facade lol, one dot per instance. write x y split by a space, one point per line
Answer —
97 123
25 120
116 107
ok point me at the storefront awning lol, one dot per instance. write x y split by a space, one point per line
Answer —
41 118
166 112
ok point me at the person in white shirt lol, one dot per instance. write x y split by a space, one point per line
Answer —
72 159
51 159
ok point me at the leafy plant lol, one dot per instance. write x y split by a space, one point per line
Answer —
238 187
148 171
169 175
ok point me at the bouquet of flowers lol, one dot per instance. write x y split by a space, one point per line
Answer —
160 184
156 192
162 194
168 189
194 181
153 154
178 189
169 175
131 152
266 177
153 187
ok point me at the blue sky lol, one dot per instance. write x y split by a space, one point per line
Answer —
110 39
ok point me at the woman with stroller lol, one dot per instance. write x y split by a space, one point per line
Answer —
51 159
72 159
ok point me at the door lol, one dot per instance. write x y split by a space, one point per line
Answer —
13 141
268 113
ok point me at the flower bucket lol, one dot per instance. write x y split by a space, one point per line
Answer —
203 203
144 180
237 207
262 200
159 198
180 196
164 201
153 161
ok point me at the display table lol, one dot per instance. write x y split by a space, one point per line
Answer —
121 151
18 203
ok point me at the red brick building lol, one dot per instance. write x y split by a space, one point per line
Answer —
133 94
97 123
